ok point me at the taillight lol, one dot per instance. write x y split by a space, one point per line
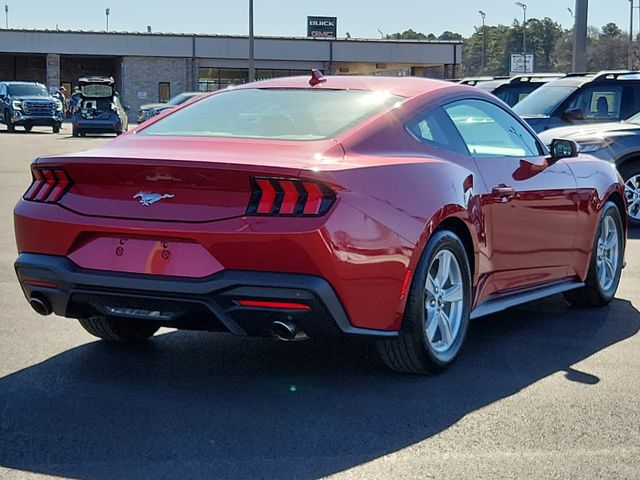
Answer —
284 197
48 186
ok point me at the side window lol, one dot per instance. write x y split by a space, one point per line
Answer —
599 102
3 90
434 128
490 131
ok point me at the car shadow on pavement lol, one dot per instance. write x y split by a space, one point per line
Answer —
194 405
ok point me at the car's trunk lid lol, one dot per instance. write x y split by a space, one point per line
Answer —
177 179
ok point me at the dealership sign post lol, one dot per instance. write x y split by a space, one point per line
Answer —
517 64
322 27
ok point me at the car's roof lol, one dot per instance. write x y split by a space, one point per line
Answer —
402 86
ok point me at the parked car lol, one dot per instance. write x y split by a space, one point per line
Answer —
474 81
581 99
614 142
28 105
98 109
260 211
514 89
150 110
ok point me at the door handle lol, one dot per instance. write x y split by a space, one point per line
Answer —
503 192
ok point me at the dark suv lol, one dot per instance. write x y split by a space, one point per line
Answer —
581 99
614 142
29 104
514 89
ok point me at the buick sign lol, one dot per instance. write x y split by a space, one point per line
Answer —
322 27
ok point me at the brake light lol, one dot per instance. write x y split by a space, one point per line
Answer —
285 197
48 186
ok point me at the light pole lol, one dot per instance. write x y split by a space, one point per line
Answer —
6 17
107 12
381 33
630 52
524 34
483 63
252 55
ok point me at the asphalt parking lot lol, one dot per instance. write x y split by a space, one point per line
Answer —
540 391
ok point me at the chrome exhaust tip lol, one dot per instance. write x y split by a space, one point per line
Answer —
287 331
40 305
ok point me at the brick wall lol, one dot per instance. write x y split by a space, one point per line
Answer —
142 75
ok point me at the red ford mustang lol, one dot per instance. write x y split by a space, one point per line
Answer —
398 208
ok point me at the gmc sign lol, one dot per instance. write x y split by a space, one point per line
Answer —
322 27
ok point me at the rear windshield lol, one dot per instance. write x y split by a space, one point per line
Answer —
543 101
97 91
28 91
286 114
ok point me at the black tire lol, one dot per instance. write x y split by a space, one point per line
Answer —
28 128
593 294
119 329
411 351
629 170
56 128
7 120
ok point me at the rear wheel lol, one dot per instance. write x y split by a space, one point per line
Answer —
631 174
118 329
605 266
437 311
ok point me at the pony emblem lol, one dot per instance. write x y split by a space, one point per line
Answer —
149 198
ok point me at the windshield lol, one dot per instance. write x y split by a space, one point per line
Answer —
489 86
96 90
285 114
178 99
635 119
33 90
543 101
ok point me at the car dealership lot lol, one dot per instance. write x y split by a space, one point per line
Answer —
539 391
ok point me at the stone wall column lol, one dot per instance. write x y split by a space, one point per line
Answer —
53 70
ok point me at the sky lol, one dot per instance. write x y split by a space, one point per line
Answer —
361 18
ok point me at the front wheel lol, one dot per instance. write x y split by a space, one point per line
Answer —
28 127
437 311
7 119
56 128
119 329
631 174
605 266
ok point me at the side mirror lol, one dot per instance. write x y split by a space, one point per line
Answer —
561 148
573 114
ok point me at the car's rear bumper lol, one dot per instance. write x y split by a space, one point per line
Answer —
211 303
97 125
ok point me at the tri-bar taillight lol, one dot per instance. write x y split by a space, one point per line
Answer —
289 197
48 186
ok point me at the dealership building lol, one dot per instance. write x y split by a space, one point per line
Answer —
152 67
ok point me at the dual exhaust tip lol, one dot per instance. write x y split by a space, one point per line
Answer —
283 330
41 305
287 331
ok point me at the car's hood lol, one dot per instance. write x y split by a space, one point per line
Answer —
585 132
34 99
149 106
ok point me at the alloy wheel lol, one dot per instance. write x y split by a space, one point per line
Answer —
632 192
608 253
444 305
